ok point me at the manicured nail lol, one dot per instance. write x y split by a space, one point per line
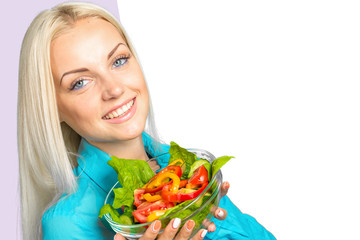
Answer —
156 226
203 233
190 225
220 213
212 228
227 185
176 223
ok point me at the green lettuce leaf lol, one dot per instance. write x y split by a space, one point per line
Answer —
218 163
107 208
132 174
177 152
123 197
115 215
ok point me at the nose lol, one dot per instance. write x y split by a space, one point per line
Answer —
112 88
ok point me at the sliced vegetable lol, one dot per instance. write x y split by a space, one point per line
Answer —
155 215
157 182
197 164
181 195
141 214
138 193
151 198
199 177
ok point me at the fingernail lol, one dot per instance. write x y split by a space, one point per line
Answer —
227 185
190 225
204 232
156 226
116 237
212 228
176 223
220 213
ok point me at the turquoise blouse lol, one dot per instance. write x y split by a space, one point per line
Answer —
75 216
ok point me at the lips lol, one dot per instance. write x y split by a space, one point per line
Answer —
120 111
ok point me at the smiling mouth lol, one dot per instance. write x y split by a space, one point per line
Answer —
120 111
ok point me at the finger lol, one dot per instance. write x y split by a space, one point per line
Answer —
224 188
209 225
152 231
118 236
186 230
171 229
220 213
200 235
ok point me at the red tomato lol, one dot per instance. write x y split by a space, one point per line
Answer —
147 208
137 196
152 186
199 177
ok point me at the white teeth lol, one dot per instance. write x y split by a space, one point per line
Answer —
115 114
125 108
120 111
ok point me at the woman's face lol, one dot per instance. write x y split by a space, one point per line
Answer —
100 88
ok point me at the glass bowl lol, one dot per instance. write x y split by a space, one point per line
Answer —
200 209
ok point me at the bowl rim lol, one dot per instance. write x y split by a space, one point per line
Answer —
218 175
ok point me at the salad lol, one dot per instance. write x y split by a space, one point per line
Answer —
145 196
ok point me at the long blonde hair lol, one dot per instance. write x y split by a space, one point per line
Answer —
47 148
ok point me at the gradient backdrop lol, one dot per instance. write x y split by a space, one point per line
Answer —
274 83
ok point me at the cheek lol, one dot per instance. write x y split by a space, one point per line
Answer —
73 111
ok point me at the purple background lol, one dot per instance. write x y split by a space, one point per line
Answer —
15 18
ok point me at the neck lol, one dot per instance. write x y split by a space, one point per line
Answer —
129 149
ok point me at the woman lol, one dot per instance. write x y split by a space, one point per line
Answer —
83 98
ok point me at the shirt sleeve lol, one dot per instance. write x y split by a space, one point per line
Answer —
237 226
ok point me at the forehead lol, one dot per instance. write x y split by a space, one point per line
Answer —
88 39
88 28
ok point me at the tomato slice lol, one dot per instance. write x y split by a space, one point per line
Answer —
147 208
137 196
199 177
153 186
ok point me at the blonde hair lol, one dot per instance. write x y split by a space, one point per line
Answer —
47 149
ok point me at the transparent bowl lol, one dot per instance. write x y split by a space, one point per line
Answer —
200 210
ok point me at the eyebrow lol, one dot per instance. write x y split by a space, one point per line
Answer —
85 69
73 71
115 48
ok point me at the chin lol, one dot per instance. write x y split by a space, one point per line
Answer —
133 131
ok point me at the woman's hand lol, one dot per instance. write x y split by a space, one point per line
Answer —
172 229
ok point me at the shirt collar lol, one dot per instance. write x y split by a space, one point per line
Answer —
93 161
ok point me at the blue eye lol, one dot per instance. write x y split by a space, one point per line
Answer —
120 61
79 84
